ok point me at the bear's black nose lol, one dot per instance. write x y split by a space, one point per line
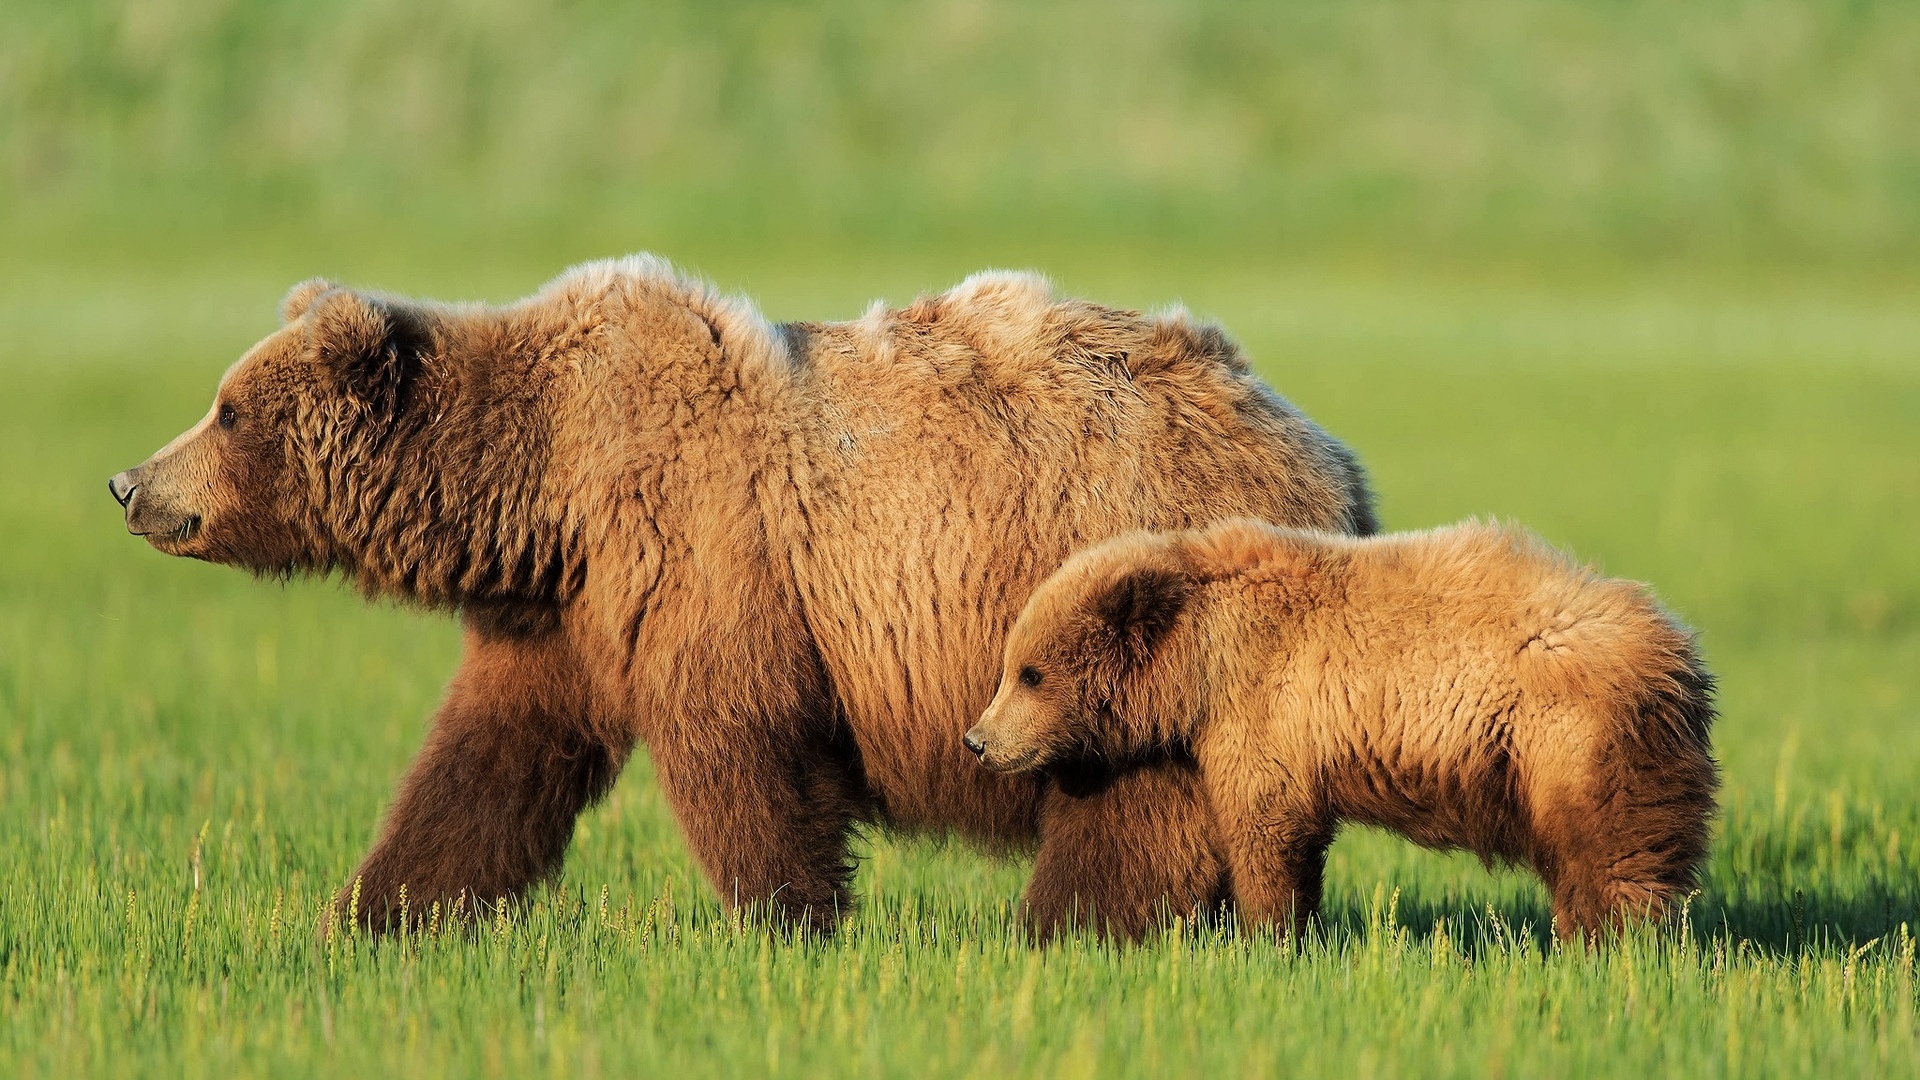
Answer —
974 742
121 486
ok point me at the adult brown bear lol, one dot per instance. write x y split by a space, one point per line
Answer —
783 557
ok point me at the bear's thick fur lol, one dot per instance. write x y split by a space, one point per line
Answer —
1466 687
782 557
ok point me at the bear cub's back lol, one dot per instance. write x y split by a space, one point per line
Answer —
1473 600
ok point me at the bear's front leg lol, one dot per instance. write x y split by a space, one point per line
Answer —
1128 857
488 807
765 803
1277 849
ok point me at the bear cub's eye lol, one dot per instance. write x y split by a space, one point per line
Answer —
228 416
1029 677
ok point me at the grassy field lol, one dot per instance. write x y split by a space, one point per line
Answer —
1638 274
191 759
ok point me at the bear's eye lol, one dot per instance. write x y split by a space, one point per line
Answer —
228 416
1029 677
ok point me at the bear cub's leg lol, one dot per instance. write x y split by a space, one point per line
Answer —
1632 853
1278 852
1596 891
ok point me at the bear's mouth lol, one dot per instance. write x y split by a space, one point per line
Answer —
173 536
1018 763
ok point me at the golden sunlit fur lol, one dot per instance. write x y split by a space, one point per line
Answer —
1465 687
783 557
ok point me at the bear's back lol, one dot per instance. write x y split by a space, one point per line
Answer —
1528 616
1003 340
1443 654
1501 583
1477 595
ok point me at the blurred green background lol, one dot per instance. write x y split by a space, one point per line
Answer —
1758 132
1641 275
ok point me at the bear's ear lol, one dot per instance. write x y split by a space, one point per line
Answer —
371 345
1137 609
301 297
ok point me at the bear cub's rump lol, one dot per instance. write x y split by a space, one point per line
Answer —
1467 687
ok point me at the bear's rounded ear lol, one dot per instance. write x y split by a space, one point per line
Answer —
301 297
1139 606
370 344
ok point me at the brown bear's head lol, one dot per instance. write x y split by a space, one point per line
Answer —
245 485
1077 678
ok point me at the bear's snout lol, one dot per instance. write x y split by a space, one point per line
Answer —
976 741
990 743
121 486
157 519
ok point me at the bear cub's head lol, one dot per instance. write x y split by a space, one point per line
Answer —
1081 659
241 487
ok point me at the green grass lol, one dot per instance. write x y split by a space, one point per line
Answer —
1638 274
190 759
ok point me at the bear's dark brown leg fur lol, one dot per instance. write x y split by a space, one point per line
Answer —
1642 868
1136 853
1637 853
767 815
1281 887
1277 853
749 748
488 806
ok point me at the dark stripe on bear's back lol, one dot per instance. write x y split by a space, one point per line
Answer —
797 339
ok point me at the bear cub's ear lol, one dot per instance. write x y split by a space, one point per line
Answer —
1140 606
371 345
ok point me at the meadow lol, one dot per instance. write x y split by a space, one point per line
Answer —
1640 276
193 758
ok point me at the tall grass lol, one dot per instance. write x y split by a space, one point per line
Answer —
190 760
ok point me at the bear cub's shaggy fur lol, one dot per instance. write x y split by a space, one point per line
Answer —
1466 687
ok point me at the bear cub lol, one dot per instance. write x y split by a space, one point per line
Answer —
1466 687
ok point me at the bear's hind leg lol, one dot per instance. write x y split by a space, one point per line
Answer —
1633 854
1597 890
1128 857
